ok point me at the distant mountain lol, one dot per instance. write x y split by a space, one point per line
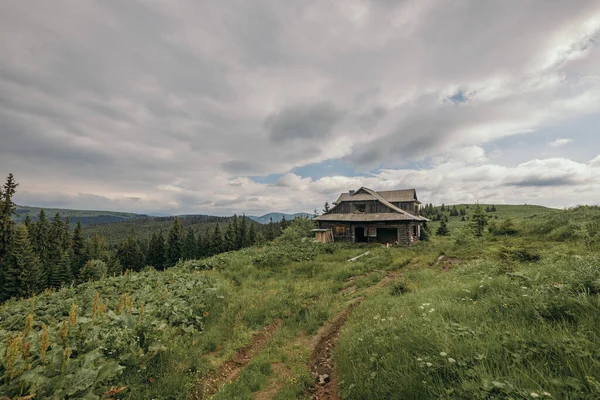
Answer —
86 217
277 217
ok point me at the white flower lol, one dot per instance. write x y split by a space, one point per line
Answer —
480 286
534 395
443 354
429 364
421 307
451 360
432 310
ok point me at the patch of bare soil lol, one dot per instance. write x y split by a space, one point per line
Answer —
321 362
447 262
230 369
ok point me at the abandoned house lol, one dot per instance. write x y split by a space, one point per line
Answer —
366 216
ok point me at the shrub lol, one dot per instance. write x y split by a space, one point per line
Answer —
93 270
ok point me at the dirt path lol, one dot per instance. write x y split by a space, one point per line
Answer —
229 370
321 361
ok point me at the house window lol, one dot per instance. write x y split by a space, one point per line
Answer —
360 208
339 231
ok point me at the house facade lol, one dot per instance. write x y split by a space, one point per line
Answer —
367 216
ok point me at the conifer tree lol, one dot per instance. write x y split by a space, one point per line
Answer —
79 250
189 245
242 233
230 236
7 209
251 235
29 225
326 207
283 224
23 272
156 251
175 242
93 270
97 248
270 230
201 245
113 266
260 238
130 254
478 221
61 271
493 209
67 239
443 229
217 242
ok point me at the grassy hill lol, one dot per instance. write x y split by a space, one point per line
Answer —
455 317
86 217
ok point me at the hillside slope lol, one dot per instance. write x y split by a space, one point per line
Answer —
277 217
86 217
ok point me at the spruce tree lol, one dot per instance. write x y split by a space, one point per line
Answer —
175 242
251 235
478 220
23 271
242 236
326 207
40 241
97 248
443 229
156 251
217 242
67 239
55 245
79 250
189 245
283 224
113 266
29 225
61 271
201 245
230 236
7 209
130 254
270 230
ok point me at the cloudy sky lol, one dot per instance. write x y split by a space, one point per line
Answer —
216 107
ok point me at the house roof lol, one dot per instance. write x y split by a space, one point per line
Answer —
365 194
390 195
367 217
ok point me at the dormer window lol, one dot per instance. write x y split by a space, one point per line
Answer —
360 208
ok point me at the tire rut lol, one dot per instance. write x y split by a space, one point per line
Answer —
230 369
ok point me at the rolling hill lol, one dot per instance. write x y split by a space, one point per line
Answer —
277 217
86 217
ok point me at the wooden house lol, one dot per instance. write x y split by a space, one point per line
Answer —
366 216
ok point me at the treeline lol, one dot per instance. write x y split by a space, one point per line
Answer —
43 254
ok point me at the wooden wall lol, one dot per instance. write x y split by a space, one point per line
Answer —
406 230
371 207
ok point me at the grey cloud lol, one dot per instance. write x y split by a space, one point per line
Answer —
545 182
303 122
242 167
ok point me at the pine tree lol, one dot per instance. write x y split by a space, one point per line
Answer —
493 209
67 239
217 242
443 229
55 244
175 242
156 251
79 250
113 266
97 248
189 245
478 221
326 208
23 271
29 225
93 270
242 236
283 224
251 235
7 209
61 271
270 230
130 254
230 236
443 208
201 245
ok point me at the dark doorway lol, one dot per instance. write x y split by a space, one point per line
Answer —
387 235
359 235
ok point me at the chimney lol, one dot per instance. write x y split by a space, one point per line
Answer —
351 192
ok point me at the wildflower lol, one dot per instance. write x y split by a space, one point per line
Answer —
443 354
480 286
451 360
534 395
524 287
205 314
421 307
429 364
426 304
432 310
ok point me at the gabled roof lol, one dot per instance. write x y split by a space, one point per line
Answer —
385 198
392 196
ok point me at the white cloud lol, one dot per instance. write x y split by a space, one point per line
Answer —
560 142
